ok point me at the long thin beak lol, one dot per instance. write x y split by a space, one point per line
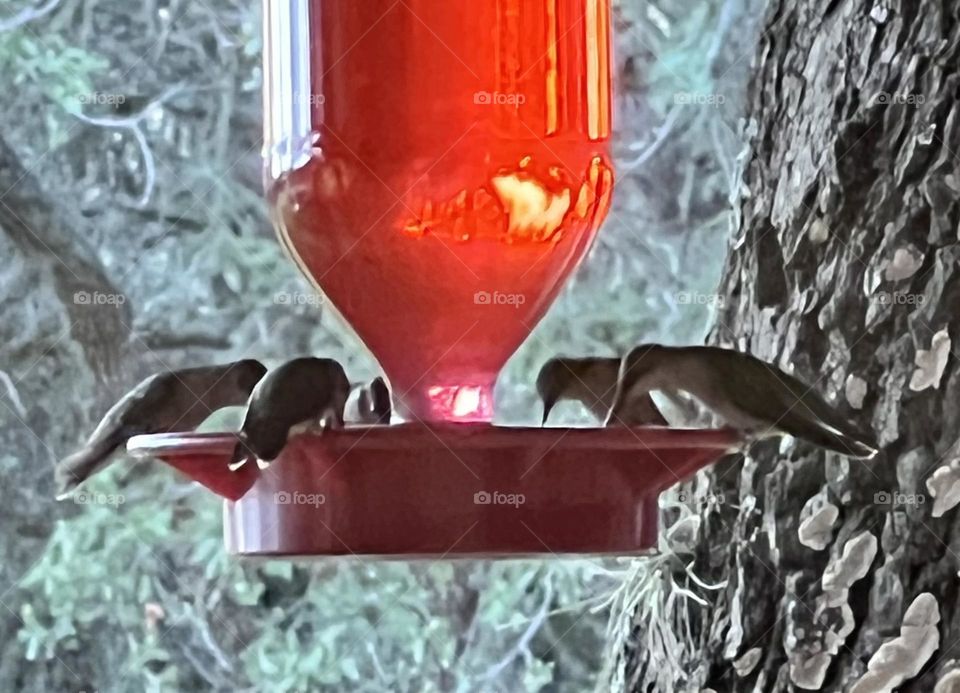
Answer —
240 454
547 407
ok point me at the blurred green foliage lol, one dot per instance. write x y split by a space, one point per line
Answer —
52 70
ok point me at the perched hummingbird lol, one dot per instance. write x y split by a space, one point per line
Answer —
168 401
749 394
593 381
374 402
369 404
300 395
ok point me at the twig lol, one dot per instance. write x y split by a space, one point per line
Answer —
133 124
693 576
216 682
376 664
727 166
149 167
14 395
203 626
518 649
662 133
162 340
724 22
28 15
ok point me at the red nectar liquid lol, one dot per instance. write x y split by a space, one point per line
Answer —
438 168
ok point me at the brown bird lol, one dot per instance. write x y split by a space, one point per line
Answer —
169 401
755 397
369 404
592 381
300 395
374 402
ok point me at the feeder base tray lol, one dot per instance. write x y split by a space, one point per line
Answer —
446 490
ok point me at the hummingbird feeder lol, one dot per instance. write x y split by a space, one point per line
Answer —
438 169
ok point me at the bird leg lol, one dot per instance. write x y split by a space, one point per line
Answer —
315 428
329 419
333 418
238 461
241 454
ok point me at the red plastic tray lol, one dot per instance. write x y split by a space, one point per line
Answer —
446 489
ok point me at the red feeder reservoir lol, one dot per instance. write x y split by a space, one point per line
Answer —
438 169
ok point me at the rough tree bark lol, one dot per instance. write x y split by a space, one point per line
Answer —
53 347
49 236
845 270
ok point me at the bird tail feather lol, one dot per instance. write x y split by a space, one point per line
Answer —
829 419
836 441
81 465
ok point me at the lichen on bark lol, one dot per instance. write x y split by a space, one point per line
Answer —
844 269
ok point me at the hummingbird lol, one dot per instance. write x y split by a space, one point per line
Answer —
369 404
177 400
751 395
374 402
592 381
300 395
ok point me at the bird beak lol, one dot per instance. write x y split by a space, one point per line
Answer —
547 407
240 454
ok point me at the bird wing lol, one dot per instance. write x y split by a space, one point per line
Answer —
769 393
683 410
817 407
601 404
818 434
81 465
636 409
190 395
763 391
297 392
128 417
131 412
179 399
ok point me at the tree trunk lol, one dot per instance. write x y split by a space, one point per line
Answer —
51 236
846 271
54 348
